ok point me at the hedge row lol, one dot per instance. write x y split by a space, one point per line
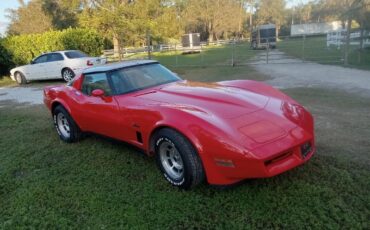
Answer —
20 50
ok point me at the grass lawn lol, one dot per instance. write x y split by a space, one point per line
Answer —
6 81
101 183
315 49
212 64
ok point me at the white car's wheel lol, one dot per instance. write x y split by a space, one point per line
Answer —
20 79
68 74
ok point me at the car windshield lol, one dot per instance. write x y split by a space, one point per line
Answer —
75 54
141 77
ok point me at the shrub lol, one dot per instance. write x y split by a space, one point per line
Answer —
19 50
5 59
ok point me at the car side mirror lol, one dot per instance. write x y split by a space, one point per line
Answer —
97 93
32 62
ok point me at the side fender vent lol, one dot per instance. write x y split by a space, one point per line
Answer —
139 137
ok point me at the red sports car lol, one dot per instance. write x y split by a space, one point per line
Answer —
221 132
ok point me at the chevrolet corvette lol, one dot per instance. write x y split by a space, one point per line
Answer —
221 133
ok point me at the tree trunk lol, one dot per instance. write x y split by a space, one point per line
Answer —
210 32
348 41
361 38
116 47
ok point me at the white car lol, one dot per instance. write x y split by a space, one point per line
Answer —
60 64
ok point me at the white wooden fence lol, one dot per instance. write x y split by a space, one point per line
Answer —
338 38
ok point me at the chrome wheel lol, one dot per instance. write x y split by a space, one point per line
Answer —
68 75
63 125
171 160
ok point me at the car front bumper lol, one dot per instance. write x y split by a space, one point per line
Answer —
271 159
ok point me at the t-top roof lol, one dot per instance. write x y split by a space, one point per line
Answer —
117 65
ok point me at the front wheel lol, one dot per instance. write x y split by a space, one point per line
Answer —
20 79
65 126
177 159
68 74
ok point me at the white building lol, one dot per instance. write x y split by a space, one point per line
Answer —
315 28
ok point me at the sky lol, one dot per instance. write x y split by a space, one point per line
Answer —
13 4
6 4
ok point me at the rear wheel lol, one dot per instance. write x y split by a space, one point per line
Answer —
68 74
177 159
254 45
19 77
65 126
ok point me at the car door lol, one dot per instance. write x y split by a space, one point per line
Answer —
97 114
54 65
37 68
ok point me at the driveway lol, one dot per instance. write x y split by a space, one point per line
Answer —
30 94
287 72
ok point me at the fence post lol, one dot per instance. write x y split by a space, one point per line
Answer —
148 44
201 55
303 47
267 52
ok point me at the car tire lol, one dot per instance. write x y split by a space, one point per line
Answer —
65 126
19 78
254 45
177 159
67 74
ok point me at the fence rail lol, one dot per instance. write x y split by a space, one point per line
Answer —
239 52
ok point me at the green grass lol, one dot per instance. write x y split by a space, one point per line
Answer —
99 183
6 81
315 49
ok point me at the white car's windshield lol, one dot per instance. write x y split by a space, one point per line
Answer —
141 77
75 54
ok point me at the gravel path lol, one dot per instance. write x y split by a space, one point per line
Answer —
291 73
24 95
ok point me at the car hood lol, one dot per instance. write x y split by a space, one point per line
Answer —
212 98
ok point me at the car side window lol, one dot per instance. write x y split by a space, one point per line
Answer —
96 81
41 59
55 57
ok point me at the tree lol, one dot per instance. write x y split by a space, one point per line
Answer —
271 11
215 18
28 18
42 15
63 13
128 21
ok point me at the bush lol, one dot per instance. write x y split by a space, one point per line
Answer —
5 59
20 50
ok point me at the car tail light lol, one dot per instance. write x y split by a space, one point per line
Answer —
89 63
